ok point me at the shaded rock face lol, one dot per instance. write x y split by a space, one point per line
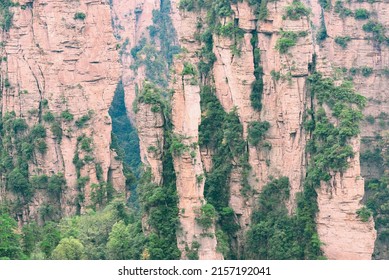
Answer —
57 63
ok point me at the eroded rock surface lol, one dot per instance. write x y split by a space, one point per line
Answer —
55 63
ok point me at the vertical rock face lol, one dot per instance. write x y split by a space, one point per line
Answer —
284 104
57 62
186 117
338 223
283 101
131 21
61 58
234 76
337 220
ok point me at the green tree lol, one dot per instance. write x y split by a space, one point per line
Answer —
56 184
118 247
18 183
50 239
257 131
207 216
93 231
9 238
31 234
68 249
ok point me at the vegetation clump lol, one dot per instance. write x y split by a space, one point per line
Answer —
188 5
364 214
260 8
274 234
296 11
329 146
342 10
223 133
81 122
257 131
79 16
189 69
287 40
257 85
378 31
152 95
342 41
361 14
10 245
48 117
366 71
67 116
206 216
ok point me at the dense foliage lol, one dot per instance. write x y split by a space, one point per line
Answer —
377 30
159 203
322 31
329 144
274 234
10 245
256 132
94 235
21 145
377 194
222 132
342 41
340 9
125 139
260 8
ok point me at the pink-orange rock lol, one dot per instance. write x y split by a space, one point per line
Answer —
131 21
73 64
344 235
151 139
186 118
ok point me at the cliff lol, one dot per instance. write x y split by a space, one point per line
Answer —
59 71
262 125
284 105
